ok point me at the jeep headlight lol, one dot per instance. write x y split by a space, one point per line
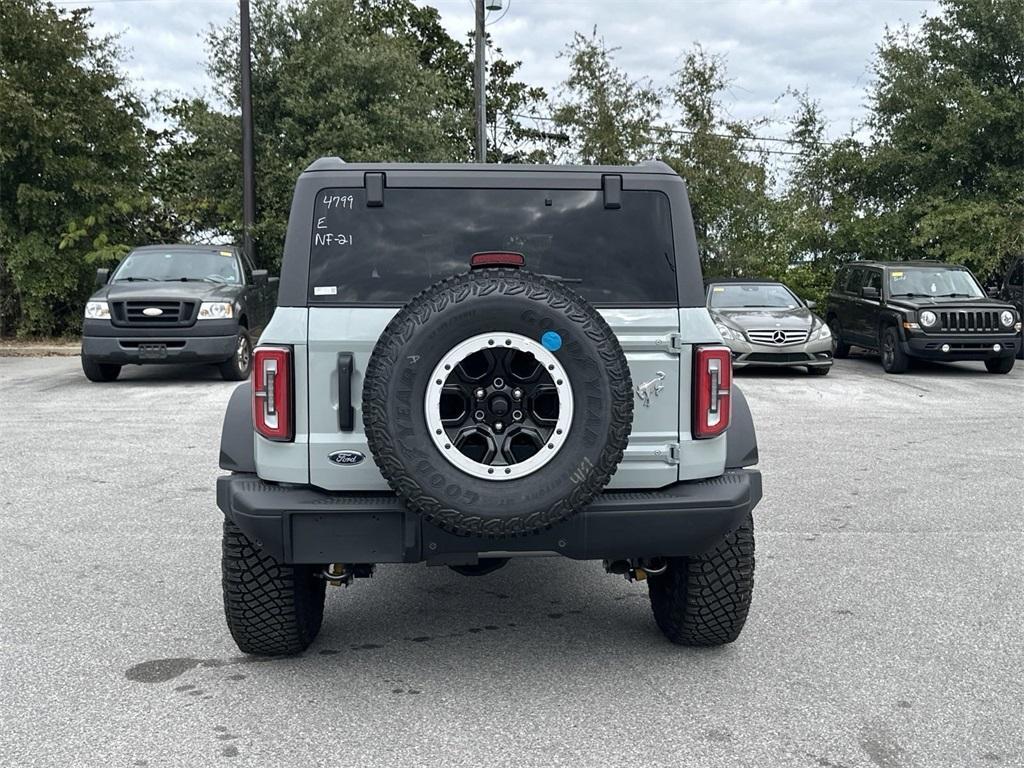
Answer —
97 310
927 318
726 331
216 310
1006 318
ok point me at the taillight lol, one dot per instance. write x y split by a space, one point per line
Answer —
272 403
712 379
496 259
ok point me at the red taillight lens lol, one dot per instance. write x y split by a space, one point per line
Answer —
712 381
496 259
272 403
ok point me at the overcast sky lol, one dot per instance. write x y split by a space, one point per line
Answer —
824 46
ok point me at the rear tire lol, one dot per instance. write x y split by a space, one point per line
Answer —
894 359
1000 365
704 600
840 348
238 367
96 371
272 609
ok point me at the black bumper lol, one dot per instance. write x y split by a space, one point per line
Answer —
305 525
962 346
167 348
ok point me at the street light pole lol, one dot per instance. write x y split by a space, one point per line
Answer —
248 169
481 98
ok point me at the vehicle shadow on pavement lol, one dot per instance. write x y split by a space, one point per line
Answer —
171 374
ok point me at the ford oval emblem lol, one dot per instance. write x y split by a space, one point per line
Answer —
346 458
152 311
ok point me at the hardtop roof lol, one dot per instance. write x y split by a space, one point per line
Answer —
647 167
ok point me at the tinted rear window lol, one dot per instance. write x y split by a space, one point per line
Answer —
385 255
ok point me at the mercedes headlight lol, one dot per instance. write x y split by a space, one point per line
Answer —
726 331
821 332
927 318
216 310
1006 318
97 310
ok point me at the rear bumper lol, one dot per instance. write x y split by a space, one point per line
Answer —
961 346
305 525
167 348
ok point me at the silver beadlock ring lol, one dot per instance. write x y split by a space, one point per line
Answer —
496 341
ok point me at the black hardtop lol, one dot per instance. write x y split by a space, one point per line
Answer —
648 167
377 178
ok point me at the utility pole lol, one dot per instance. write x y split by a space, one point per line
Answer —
481 97
248 169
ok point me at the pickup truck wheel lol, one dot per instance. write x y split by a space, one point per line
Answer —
497 403
95 371
894 359
272 609
704 600
238 367
1000 365
840 348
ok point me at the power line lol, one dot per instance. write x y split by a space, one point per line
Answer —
685 132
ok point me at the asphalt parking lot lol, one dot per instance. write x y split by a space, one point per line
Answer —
886 627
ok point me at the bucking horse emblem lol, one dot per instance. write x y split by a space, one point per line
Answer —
650 389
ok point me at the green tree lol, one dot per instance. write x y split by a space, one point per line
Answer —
366 80
944 175
73 156
608 117
730 183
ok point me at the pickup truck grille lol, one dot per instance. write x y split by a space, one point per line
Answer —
173 314
777 336
969 321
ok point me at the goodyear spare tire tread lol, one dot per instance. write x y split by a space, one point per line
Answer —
496 301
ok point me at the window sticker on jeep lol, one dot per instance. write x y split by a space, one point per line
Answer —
384 255
896 275
325 290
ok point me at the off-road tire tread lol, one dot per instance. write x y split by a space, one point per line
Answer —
704 600
420 310
900 360
272 609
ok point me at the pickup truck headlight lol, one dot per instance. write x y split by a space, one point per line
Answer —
1006 318
727 332
97 310
216 310
821 332
927 318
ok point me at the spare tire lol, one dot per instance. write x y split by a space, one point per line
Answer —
497 403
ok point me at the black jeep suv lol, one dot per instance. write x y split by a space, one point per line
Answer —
177 304
920 309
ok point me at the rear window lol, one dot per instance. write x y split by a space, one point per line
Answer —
385 255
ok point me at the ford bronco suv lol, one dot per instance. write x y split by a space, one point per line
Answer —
470 363
177 304
920 309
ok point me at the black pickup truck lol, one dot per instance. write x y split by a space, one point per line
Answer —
177 304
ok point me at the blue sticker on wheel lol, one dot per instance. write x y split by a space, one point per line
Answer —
551 341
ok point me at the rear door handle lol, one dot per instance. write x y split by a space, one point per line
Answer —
346 416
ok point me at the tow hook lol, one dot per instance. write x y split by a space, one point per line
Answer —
637 570
341 574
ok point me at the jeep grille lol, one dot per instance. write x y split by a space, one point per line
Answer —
969 321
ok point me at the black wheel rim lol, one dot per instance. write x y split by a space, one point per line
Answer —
497 406
888 351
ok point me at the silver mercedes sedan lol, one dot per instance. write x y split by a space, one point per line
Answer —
765 323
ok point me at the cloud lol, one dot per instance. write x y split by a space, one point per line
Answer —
823 46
